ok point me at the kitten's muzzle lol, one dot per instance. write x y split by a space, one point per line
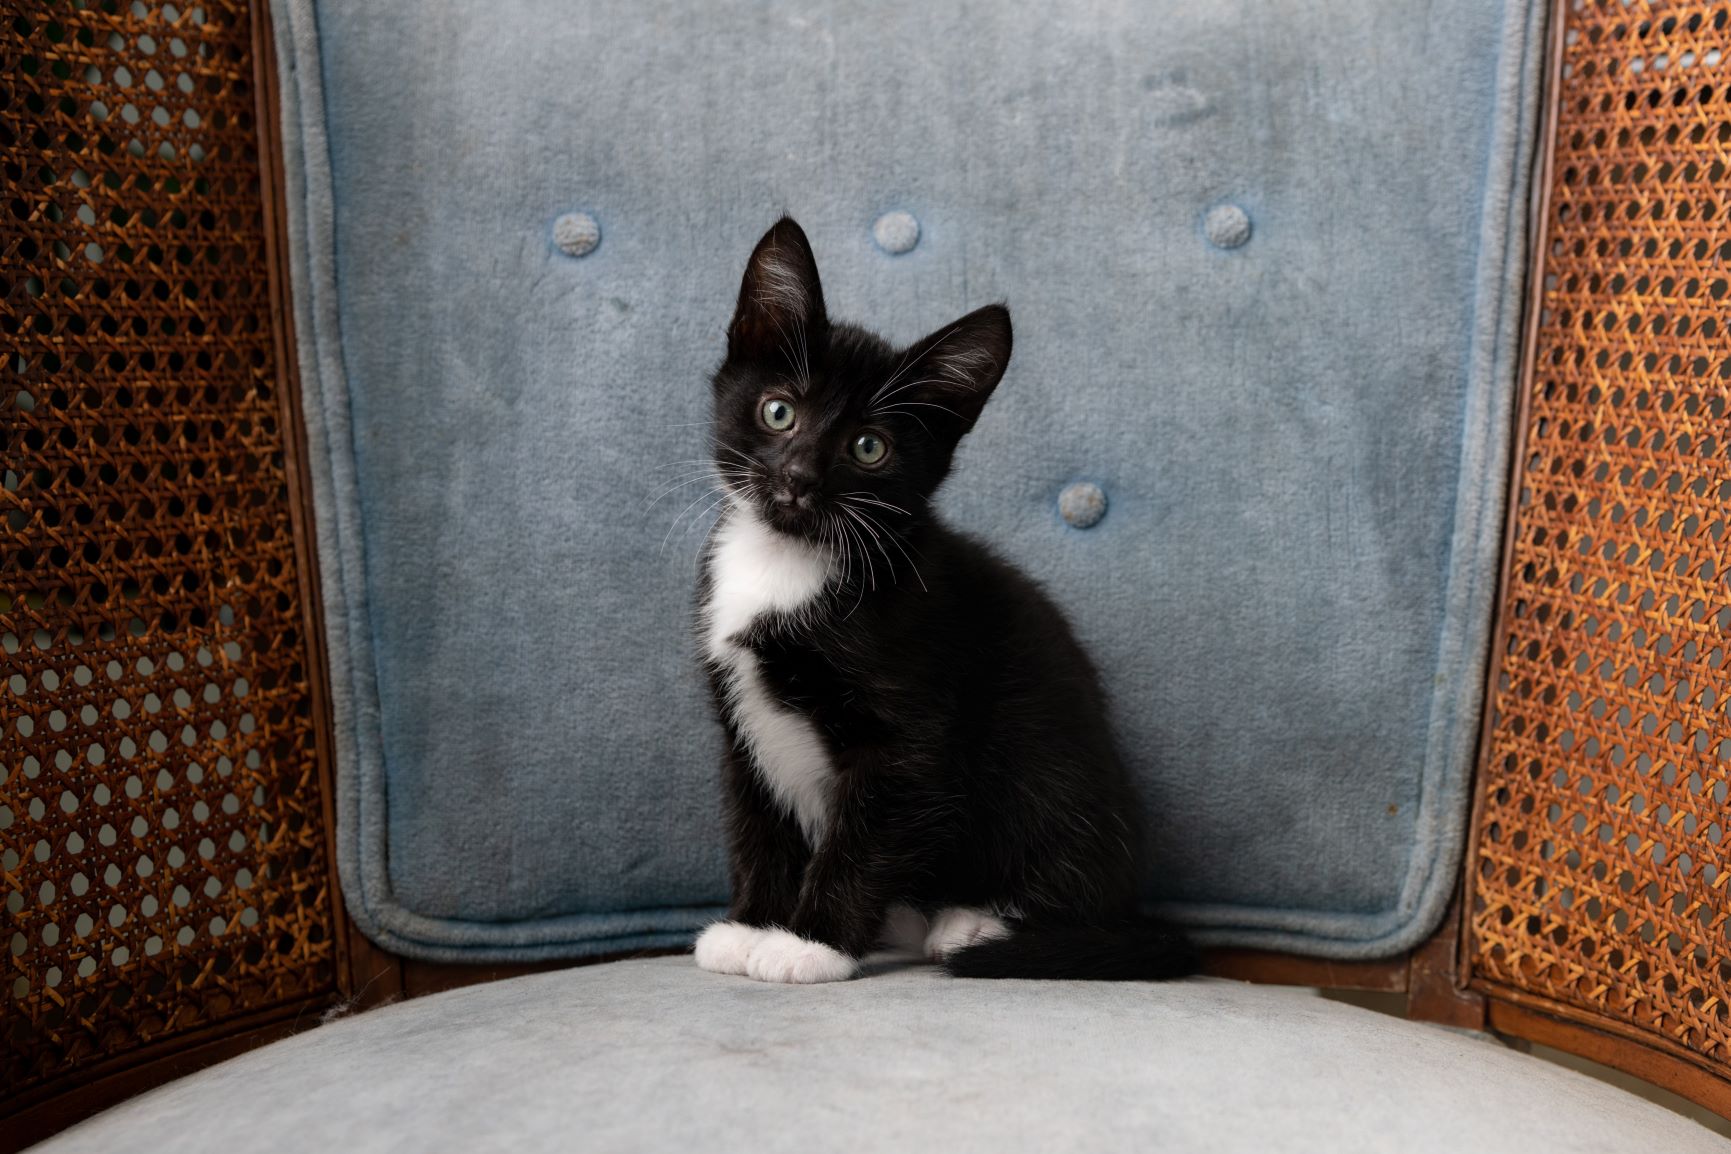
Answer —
796 488
788 499
793 507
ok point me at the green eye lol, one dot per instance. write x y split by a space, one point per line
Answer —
869 449
778 414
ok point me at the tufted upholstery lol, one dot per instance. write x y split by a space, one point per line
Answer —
1264 264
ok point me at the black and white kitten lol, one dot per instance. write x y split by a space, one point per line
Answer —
917 747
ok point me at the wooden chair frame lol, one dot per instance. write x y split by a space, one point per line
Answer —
1462 976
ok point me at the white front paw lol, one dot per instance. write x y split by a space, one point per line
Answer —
778 956
959 927
723 947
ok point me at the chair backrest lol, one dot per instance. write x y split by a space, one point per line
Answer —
1267 306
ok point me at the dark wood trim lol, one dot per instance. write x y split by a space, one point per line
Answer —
1387 976
1434 992
1438 989
109 1082
1540 206
367 975
1652 1060
422 978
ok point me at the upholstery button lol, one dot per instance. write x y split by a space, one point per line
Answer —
1082 504
896 232
1226 226
576 234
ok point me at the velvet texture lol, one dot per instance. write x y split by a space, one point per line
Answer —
659 1056
1297 413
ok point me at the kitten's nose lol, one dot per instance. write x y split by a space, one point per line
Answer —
798 487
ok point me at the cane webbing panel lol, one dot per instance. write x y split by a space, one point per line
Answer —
1600 883
161 819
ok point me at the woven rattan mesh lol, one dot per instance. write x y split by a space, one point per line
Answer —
161 823
1600 881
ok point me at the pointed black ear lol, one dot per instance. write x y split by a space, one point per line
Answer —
780 298
955 369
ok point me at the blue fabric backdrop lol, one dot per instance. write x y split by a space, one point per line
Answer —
1301 435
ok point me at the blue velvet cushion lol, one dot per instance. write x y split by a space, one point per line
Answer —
1264 263
657 1057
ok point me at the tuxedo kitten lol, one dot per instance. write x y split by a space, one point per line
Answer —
916 744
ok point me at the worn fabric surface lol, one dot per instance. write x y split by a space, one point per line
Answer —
659 1056
1297 412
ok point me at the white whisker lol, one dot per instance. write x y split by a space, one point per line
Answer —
686 461
900 405
674 488
896 376
896 541
678 485
720 498
880 398
873 533
869 521
854 535
872 498
667 536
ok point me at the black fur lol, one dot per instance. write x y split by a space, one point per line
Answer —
974 763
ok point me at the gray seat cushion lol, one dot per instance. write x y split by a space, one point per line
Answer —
1300 429
657 1055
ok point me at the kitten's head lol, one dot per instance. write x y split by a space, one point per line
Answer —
825 430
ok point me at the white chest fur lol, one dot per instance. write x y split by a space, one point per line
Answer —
755 572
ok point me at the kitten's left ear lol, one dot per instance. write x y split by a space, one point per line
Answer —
956 368
780 297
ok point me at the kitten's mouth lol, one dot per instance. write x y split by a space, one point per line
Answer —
794 520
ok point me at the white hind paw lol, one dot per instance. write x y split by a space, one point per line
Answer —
959 927
779 956
723 947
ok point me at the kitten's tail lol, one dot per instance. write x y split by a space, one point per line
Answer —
1131 952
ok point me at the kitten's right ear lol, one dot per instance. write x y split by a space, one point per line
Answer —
780 297
958 367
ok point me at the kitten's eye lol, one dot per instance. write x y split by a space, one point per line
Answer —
778 414
869 449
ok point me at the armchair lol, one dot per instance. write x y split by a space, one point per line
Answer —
343 637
